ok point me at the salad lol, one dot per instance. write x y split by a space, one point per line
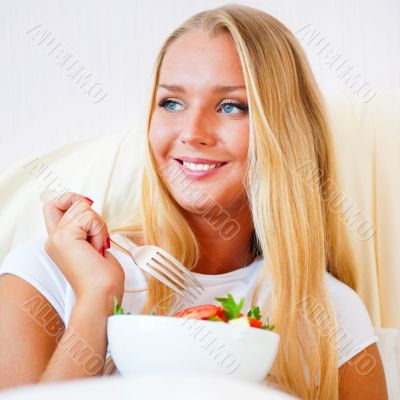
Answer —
118 310
228 312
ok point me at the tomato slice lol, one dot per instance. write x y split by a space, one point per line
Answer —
198 312
210 310
220 313
256 323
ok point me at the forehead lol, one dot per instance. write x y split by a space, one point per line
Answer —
195 59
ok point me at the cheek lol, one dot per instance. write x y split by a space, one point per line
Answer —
243 146
154 141
238 144
159 141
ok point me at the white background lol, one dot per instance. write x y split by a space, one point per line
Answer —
117 41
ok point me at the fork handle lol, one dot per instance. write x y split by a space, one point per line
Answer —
130 246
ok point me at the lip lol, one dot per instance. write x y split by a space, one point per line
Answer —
196 175
198 160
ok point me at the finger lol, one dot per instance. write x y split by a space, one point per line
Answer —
97 233
92 225
64 201
54 209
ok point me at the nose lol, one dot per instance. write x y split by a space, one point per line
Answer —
198 130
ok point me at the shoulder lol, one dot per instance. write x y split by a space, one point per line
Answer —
31 258
346 301
24 249
29 261
354 331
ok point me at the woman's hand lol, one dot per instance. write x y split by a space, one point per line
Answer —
77 239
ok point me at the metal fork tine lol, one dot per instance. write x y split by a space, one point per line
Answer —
155 266
151 270
176 264
166 270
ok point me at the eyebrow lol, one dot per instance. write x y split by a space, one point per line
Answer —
215 89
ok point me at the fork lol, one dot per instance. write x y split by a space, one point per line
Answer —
162 265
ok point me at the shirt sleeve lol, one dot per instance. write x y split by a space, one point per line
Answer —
354 331
29 261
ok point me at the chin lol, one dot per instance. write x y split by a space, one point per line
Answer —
193 206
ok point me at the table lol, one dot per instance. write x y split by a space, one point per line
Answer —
171 386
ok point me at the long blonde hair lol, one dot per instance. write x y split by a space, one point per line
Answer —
295 228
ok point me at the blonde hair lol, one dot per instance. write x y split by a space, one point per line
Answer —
295 227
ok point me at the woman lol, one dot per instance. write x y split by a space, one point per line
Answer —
234 95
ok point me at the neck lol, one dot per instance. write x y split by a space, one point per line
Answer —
220 254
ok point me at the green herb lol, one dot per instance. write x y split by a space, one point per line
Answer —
254 312
268 326
231 309
117 309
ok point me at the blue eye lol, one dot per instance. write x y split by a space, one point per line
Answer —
165 103
228 106
242 107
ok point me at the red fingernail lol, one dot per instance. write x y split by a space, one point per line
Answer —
90 200
103 251
108 242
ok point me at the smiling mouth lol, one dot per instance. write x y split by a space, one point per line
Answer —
218 164
193 171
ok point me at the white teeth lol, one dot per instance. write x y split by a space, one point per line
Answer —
200 167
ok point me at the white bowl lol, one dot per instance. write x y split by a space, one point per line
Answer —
141 344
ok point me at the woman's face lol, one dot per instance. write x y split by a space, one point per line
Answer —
201 112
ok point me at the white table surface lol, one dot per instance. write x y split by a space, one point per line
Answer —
172 386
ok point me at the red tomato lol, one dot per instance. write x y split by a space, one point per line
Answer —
220 313
256 323
199 312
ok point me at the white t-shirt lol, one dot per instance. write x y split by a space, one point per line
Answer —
29 261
